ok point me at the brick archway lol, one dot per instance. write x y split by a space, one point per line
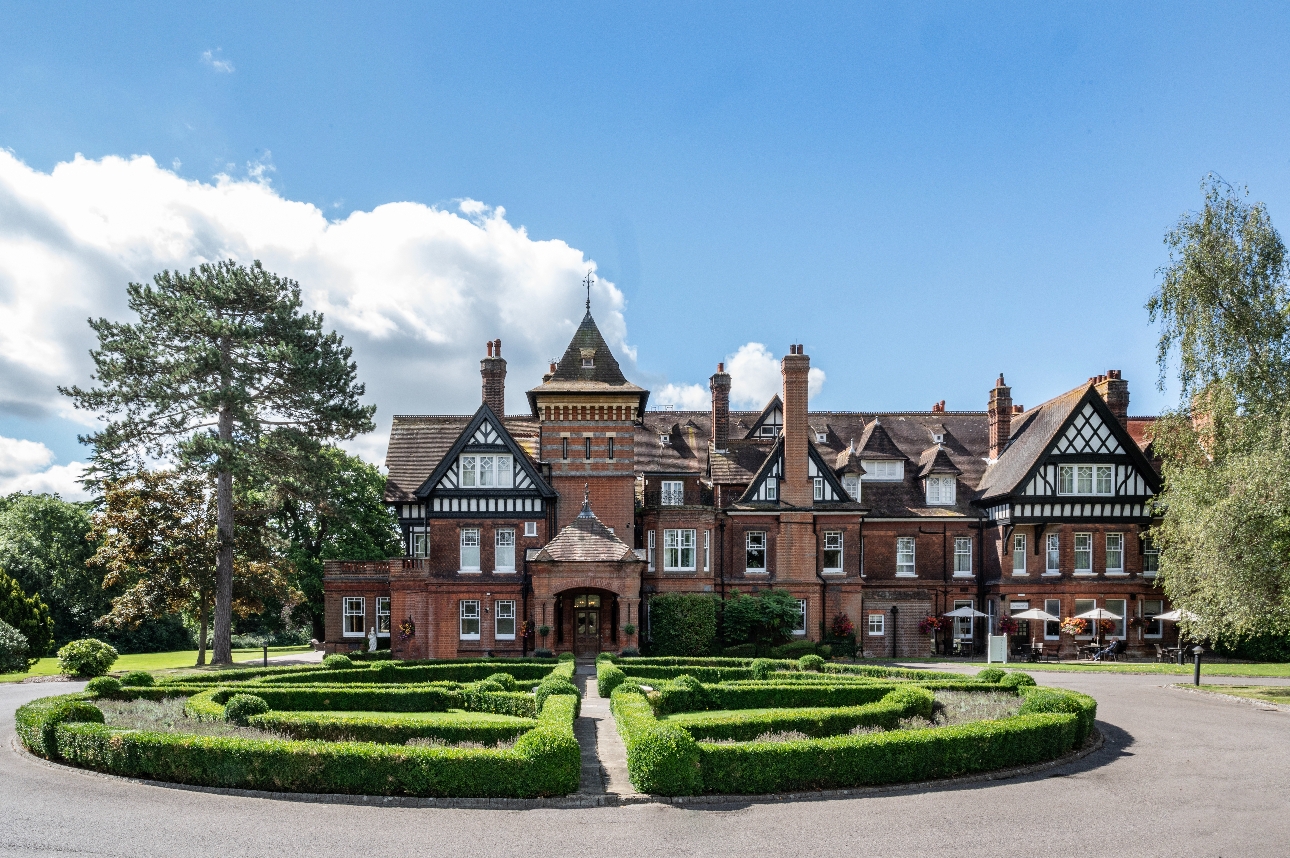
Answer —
617 586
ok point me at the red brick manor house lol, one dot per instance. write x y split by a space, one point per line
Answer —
570 517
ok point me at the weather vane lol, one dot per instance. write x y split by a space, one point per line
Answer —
587 281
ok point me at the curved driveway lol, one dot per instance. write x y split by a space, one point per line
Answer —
1181 774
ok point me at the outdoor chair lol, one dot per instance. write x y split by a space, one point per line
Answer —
1161 655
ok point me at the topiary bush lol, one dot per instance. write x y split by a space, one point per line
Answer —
13 650
556 686
137 679
567 656
240 707
543 653
505 680
794 649
608 677
1017 679
336 661
991 674
682 624
86 657
762 668
811 662
488 685
104 686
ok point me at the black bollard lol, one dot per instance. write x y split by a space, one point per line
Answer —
1196 678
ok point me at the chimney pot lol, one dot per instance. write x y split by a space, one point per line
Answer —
497 347
492 371
1000 413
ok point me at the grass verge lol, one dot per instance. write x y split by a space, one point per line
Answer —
153 661
1265 693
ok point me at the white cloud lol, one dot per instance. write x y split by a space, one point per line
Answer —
215 61
685 397
416 290
755 377
26 466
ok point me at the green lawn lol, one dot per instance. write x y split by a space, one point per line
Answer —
1210 668
153 661
1266 693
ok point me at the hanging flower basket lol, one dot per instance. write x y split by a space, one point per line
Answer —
407 630
1074 626
930 625
1008 626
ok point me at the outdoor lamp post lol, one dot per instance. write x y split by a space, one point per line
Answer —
1196 654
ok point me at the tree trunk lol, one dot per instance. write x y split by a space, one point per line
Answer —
203 621
224 557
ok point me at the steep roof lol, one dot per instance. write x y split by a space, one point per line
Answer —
586 539
604 375
936 461
1032 434
418 443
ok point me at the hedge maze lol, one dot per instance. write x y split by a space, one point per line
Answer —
732 726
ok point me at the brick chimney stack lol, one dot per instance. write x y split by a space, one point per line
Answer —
720 384
493 371
1115 391
1000 411
797 489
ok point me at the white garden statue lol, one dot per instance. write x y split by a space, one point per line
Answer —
371 639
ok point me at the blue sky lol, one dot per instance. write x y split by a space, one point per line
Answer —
924 195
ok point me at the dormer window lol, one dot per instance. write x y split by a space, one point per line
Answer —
941 490
938 437
664 438
772 488
821 437
588 358
768 430
852 484
883 470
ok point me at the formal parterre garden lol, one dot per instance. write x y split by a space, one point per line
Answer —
729 726
504 727
500 728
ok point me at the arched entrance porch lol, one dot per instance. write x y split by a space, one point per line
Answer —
588 621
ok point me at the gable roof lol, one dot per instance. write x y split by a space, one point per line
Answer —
876 443
485 421
586 539
571 376
775 404
772 464
936 461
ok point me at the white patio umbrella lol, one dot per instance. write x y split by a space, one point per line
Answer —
1175 615
964 611
1036 614
1098 614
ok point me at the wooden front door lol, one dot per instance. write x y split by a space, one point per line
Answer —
586 625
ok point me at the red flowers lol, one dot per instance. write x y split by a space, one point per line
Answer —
842 626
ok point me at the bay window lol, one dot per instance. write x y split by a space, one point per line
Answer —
678 550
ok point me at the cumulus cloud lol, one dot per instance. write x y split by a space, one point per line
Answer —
215 61
684 397
27 466
755 376
416 290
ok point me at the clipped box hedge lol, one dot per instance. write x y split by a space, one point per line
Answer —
397 674
814 722
396 730
544 761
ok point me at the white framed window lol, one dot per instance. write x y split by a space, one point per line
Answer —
905 557
768 430
419 539
772 488
1120 609
707 550
678 550
800 628
664 439
1152 608
833 552
883 470
504 624
1053 628
649 552
819 488
673 493
1019 554
755 551
962 557
530 528
1084 480
821 437
1054 556
1150 560
469 549
963 626
354 617
1115 553
487 471
877 625
588 358
851 483
941 491
1084 554
383 616
469 619
504 550
1083 606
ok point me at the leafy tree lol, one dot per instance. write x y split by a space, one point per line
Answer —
1224 310
766 619
43 544
158 534
27 614
219 359
332 509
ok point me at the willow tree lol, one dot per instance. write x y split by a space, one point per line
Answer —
1223 306
219 359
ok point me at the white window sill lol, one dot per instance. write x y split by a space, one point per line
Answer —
1083 574
504 637
755 572
382 634
1051 574
1117 573
962 575
468 638
1047 638
876 635
469 572
832 572
503 571
800 634
352 635
1020 574
669 569
906 574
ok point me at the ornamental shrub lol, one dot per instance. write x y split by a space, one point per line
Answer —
543 653
630 652
1017 679
241 707
810 662
28 614
86 657
991 674
137 679
605 656
13 650
662 758
505 680
488 685
556 686
608 677
336 661
762 668
682 624
567 656
104 686
794 649
38 720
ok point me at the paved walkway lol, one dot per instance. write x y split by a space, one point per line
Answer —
604 757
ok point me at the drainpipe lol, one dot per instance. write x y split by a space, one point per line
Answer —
945 580
894 626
